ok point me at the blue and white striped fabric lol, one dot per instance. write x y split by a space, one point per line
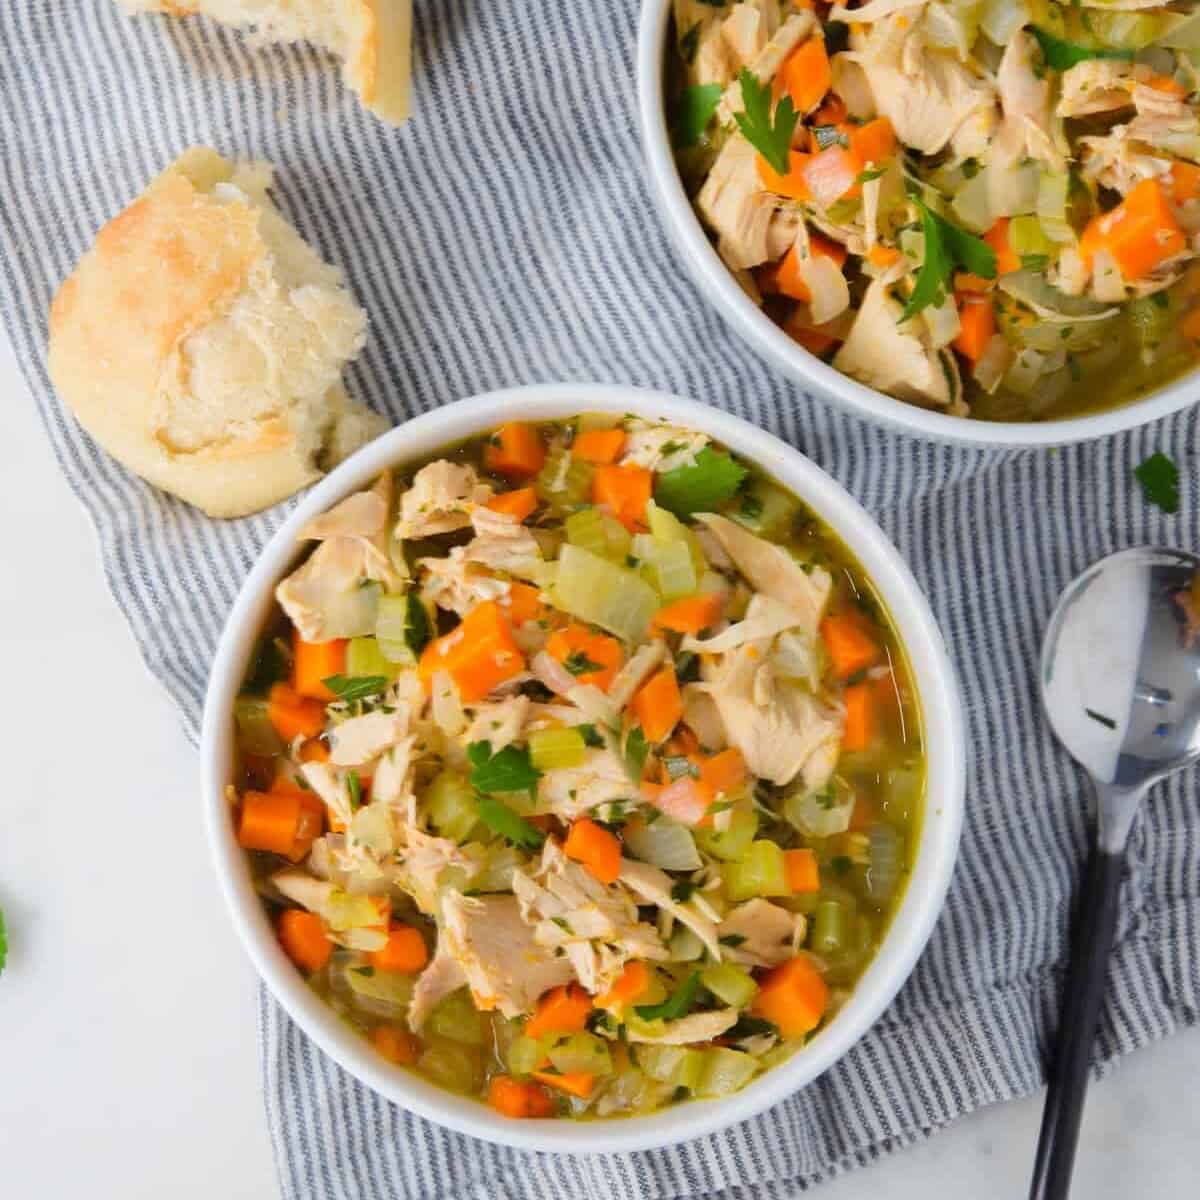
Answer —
506 235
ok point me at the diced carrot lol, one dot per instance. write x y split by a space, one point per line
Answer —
692 614
792 184
632 984
514 1098
396 1045
805 75
815 341
595 848
562 1009
293 716
625 490
882 256
517 504
405 951
785 276
860 717
515 451
831 174
574 1083
480 654
1185 182
964 281
832 111
313 663
977 323
598 445
524 603
723 773
1164 83
850 646
576 646
283 822
792 996
803 874
304 940
314 750
1007 259
1140 233
874 142
657 706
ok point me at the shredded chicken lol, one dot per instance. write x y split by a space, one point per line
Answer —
601 779
441 499
770 934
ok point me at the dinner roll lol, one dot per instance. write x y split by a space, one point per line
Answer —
373 38
201 342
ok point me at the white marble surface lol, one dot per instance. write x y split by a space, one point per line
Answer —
127 1057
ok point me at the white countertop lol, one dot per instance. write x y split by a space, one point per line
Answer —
128 1066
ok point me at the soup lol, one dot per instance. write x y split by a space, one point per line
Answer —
580 768
985 208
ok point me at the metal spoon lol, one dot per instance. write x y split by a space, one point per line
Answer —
1120 678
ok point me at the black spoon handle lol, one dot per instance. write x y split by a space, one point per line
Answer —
1095 924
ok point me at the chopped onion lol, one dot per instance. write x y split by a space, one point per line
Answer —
664 843
942 323
820 814
549 671
995 360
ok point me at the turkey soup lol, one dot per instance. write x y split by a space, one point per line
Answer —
579 768
983 207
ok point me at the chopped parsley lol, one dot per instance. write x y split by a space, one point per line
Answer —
703 486
590 736
416 625
772 138
355 687
578 663
946 247
693 112
1159 478
841 864
354 787
732 940
869 175
748 1026
675 1005
501 819
508 770
365 972
636 750
1062 56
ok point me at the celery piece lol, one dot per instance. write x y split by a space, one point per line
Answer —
672 570
597 531
524 1055
680 1066
601 593
581 1052
401 628
383 993
1026 237
664 526
564 482
732 843
725 1071
458 1019
550 749
829 928
765 510
663 843
452 807
760 873
452 1065
685 946
729 983
255 733
1052 206
365 658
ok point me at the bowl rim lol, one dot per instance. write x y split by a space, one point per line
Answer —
935 682
719 288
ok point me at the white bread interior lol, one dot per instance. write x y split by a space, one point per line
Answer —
373 38
201 342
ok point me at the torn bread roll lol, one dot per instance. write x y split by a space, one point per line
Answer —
373 38
201 342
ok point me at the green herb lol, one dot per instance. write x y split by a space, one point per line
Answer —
946 246
590 736
841 864
1159 478
354 787
970 168
675 1005
690 43
501 819
771 138
632 562
752 506
1160 300
748 1026
831 135
687 667
712 479
871 173
508 770
365 972
732 940
1100 718
681 890
416 625
355 687
1062 56
693 112
578 663
636 750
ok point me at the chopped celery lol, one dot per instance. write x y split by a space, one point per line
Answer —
829 928
383 993
452 806
550 749
760 873
365 657
732 843
401 628
765 510
564 482
581 1052
498 866
729 983
680 1066
1053 190
685 946
452 1065
458 1019
524 1055
903 789
665 526
601 593
597 531
255 733
1026 237
725 1071
663 843
886 861
670 568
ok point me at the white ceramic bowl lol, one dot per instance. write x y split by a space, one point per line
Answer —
935 683
719 286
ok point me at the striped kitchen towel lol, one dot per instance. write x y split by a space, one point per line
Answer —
506 235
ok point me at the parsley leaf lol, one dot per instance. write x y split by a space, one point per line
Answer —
946 246
869 174
578 663
509 770
501 819
590 735
772 139
693 112
675 1005
748 1026
711 480
636 750
1061 56
355 687
416 625
1159 478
